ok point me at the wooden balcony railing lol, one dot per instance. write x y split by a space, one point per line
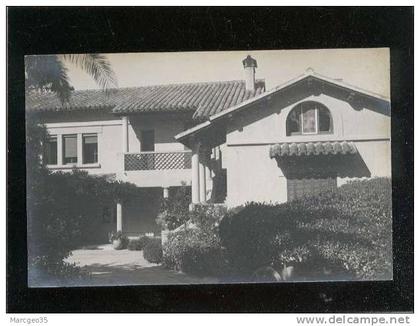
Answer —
157 161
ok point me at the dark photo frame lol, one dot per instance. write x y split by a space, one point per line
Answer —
46 30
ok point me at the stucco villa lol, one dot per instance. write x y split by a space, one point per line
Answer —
231 141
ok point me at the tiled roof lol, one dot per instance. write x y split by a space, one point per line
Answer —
204 99
376 102
312 148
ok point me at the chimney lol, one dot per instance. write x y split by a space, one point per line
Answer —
249 66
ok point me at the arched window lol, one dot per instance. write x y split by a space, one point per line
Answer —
309 118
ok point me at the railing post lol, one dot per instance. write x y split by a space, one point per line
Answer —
119 216
195 195
208 173
202 174
165 192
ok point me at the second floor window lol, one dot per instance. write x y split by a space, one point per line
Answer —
309 118
90 148
50 150
69 149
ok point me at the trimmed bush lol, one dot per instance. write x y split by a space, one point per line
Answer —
138 244
195 251
174 211
133 245
346 231
208 217
152 252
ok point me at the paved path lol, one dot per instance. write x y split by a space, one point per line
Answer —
124 267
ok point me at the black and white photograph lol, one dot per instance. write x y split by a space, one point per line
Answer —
210 159
208 167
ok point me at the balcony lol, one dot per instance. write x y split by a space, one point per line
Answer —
144 161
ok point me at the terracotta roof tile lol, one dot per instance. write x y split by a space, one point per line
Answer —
204 99
312 148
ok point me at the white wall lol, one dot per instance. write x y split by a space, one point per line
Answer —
253 176
165 130
266 124
109 130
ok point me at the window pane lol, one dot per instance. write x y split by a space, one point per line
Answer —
308 120
90 149
324 120
293 122
50 153
69 149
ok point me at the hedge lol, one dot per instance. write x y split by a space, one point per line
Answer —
195 252
152 252
138 244
347 231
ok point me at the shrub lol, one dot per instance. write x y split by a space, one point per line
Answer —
60 268
133 244
345 231
196 252
61 205
208 217
174 210
138 244
152 252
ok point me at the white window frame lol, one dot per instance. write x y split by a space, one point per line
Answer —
301 131
79 163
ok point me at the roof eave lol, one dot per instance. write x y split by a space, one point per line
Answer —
273 91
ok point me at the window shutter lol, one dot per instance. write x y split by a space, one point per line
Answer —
298 188
70 146
91 139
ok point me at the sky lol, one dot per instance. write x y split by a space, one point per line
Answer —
365 68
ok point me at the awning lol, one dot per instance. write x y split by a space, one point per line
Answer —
312 148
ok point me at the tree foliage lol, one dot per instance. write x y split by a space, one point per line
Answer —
174 211
60 205
48 73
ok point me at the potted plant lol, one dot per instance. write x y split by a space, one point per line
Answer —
118 240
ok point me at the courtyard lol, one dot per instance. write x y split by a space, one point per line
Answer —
109 267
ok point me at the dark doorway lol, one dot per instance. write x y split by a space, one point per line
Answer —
147 142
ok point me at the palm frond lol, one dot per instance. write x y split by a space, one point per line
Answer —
46 73
96 65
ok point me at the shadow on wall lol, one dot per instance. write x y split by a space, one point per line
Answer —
299 167
219 190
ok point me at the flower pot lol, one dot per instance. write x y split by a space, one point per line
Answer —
117 244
